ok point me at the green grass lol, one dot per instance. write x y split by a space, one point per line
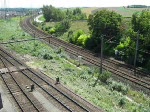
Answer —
42 18
78 79
10 30
88 10
75 26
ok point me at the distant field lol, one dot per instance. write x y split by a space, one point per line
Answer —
89 10
125 12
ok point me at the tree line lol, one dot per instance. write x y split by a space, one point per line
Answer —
119 34
51 13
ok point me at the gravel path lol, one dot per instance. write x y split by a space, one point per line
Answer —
46 104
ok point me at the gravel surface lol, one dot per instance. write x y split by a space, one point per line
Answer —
5 101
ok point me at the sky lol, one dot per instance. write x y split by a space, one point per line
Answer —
71 3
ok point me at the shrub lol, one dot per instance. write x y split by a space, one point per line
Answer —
47 28
82 39
52 30
119 87
23 34
122 102
47 56
105 76
62 26
76 36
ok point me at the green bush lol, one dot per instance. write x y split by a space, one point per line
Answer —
47 28
63 26
82 39
74 39
122 102
47 56
23 34
119 87
105 76
52 30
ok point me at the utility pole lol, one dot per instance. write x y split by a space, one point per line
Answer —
101 54
136 50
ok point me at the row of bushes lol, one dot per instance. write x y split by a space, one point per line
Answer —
58 29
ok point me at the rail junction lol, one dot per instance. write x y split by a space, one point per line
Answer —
23 83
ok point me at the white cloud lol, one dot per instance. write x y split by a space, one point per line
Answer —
72 3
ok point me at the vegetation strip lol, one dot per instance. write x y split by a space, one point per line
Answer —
80 81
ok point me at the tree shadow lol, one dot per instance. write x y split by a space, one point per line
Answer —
1 103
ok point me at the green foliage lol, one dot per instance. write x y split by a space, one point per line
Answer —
54 14
52 30
82 40
122 102
120 87
104 23
140 27
124 45
105 76
76 36
63 26
125 49
75 14
141 22
79 80
47 56
51 13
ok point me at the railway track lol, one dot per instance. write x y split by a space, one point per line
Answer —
26 101
142 78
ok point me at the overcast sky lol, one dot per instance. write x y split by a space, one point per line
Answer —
71 3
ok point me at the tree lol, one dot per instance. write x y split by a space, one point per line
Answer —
75 14
141 22
77 11
141 25
51 13
47 12
103 23
63 25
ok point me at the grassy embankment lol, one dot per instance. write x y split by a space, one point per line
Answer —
78 79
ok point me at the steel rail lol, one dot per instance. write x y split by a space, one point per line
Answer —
81 54
20 89
68 108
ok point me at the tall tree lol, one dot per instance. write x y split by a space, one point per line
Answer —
52 13
105 22
141 24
